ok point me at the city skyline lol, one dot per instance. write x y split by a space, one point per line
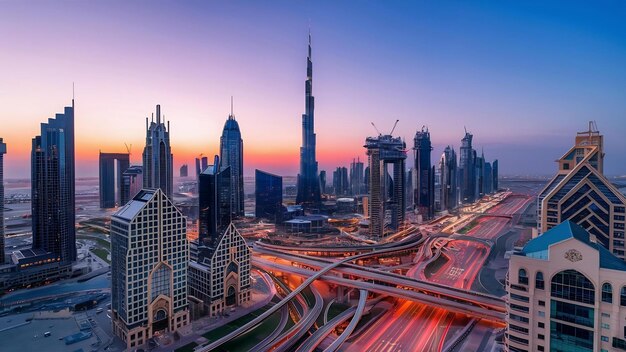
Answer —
445 67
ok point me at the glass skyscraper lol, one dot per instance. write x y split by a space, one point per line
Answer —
158 164
214 202
424 187
231 153
268 195
110 177
467 169
52 187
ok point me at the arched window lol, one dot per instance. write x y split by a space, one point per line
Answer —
522 277
607 293
622 296
574 286
539 284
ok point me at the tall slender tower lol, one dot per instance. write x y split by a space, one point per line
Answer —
308 182
3 150
231 154
424 187
158 164
52 187
467 169
448 179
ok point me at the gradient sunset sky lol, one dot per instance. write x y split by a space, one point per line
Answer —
522 77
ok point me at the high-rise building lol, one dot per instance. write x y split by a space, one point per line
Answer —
268 195
132 183
494 172
149 258
357 185
565 293
580 192
3 150
340 181
479 163
323 181
448 179
467 169
487 178
158 164
52 187
386 193
308 181
214 202
111 168
425 180
184 170
231 153
201 164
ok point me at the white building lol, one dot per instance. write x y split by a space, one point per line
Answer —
149 255
566 292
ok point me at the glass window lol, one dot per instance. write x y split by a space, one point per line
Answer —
607 293
574 286
622 296
522 277
539 284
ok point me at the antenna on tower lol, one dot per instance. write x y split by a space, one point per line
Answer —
231 106
72 91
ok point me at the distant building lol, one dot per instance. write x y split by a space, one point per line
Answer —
231 153
448 179
340 181
201 164
268 195
52 188
214 202
425 179
111 169
184 170
386 193
3 150
357 185
566 292
479 163
149 255
494 171
158 161
323 181
579 192
487 178
132 183
467 170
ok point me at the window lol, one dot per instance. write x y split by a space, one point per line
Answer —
540 348
542 314
622 296
574 286
605 326
522 277
604 338
541 325
541 337
539 284
542 303
607 293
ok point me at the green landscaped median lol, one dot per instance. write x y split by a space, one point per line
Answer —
102 253
468 227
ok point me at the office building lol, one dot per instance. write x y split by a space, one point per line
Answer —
448 179
487 178
201 164
581 193
386 193
158 161
214 202
231 153
184 170
308 181
357 185
3 150
52 188
467 170
149 258
479 163
340 181
111 169
494 172
425 180
132 183
221 278
268 193
323 181
566 292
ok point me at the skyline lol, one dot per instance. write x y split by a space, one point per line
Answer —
442 66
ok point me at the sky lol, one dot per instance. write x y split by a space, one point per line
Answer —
523 77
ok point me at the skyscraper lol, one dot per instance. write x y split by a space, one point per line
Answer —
357 185
494 172
184 170
214 202
487 178
149 257
479 163
3 150
52 187
424 187
580 192
386 194
132 183
231 153
110 176
308 182
268 195
323 181
340 181
158 164
467 169
449 189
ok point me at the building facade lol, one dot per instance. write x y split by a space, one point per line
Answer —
132 183
184 170
52 187
579 192
268 195
111 167
308 181
448 179
357 185
467 169
214 202
158 161
425 180
149 258
340 181
566 292
231 153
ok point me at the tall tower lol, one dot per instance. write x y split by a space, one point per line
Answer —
424 187
356 177
158 163
448 181
214 202
3 150
386 194
467 169
52 187
231 153
308 182
110 177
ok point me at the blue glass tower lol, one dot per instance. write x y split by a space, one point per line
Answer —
231 154
269 195
52 187
308 182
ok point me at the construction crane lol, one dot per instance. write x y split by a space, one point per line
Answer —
394 127
129 150
380 134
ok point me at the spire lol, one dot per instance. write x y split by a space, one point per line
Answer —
232 115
